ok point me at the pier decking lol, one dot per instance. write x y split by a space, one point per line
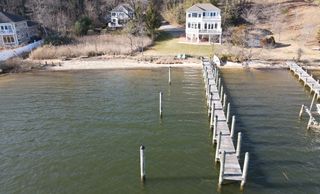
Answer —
306 78
226 153
314 86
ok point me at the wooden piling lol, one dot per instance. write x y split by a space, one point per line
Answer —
221 93
224 101
218 147
212 116
239 145
228 113
309 122
219 84
142 164
222 165
160 104
215 124
301 111
169 75
245 170
312 102
232 126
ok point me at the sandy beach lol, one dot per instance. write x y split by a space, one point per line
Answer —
125 63
91 64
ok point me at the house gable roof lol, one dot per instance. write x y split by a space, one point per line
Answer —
8 17
122 6
200 7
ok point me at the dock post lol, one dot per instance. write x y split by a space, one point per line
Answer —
245 170
313 99
160 104
309 122
169 75
222 164
228 113
239 145
224 101
232 126
142 164
301 111
215 124
217 77
218 146
212 115
219 84
221 94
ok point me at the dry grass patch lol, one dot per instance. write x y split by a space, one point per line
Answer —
93 46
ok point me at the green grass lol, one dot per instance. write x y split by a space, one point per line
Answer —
166 44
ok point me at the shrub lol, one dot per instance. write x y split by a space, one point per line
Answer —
238 36
268 42
82 26
57 40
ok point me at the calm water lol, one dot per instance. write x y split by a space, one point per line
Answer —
81 132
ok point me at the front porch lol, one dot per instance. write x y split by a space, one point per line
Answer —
204 38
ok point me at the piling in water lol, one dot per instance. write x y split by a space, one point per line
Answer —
228 113
245 170
312 102
169 75
239 145
222 162
218 147
142 164
215 123
301 111
160 104
232 126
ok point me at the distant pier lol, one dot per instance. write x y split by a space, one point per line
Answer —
314 85
226 153
306 78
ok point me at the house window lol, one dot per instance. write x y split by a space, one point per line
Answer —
194 15
204 14
8 39
215 25
189 15
189 25
113 14
205 26
214 13
199 15
1 27
6 27
211 14
199 26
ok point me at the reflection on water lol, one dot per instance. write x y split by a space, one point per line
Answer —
80 132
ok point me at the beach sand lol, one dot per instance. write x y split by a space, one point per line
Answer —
90 64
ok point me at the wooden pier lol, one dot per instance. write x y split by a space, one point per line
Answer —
306 78
222 134
314 85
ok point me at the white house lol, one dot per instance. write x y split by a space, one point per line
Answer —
203 23
15 30
120 15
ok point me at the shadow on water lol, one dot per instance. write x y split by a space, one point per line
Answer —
247 144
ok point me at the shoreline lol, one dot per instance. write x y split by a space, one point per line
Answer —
103 63
95 64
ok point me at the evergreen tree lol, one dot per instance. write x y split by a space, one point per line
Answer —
82 26
152 19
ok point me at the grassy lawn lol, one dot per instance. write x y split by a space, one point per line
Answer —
166 44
